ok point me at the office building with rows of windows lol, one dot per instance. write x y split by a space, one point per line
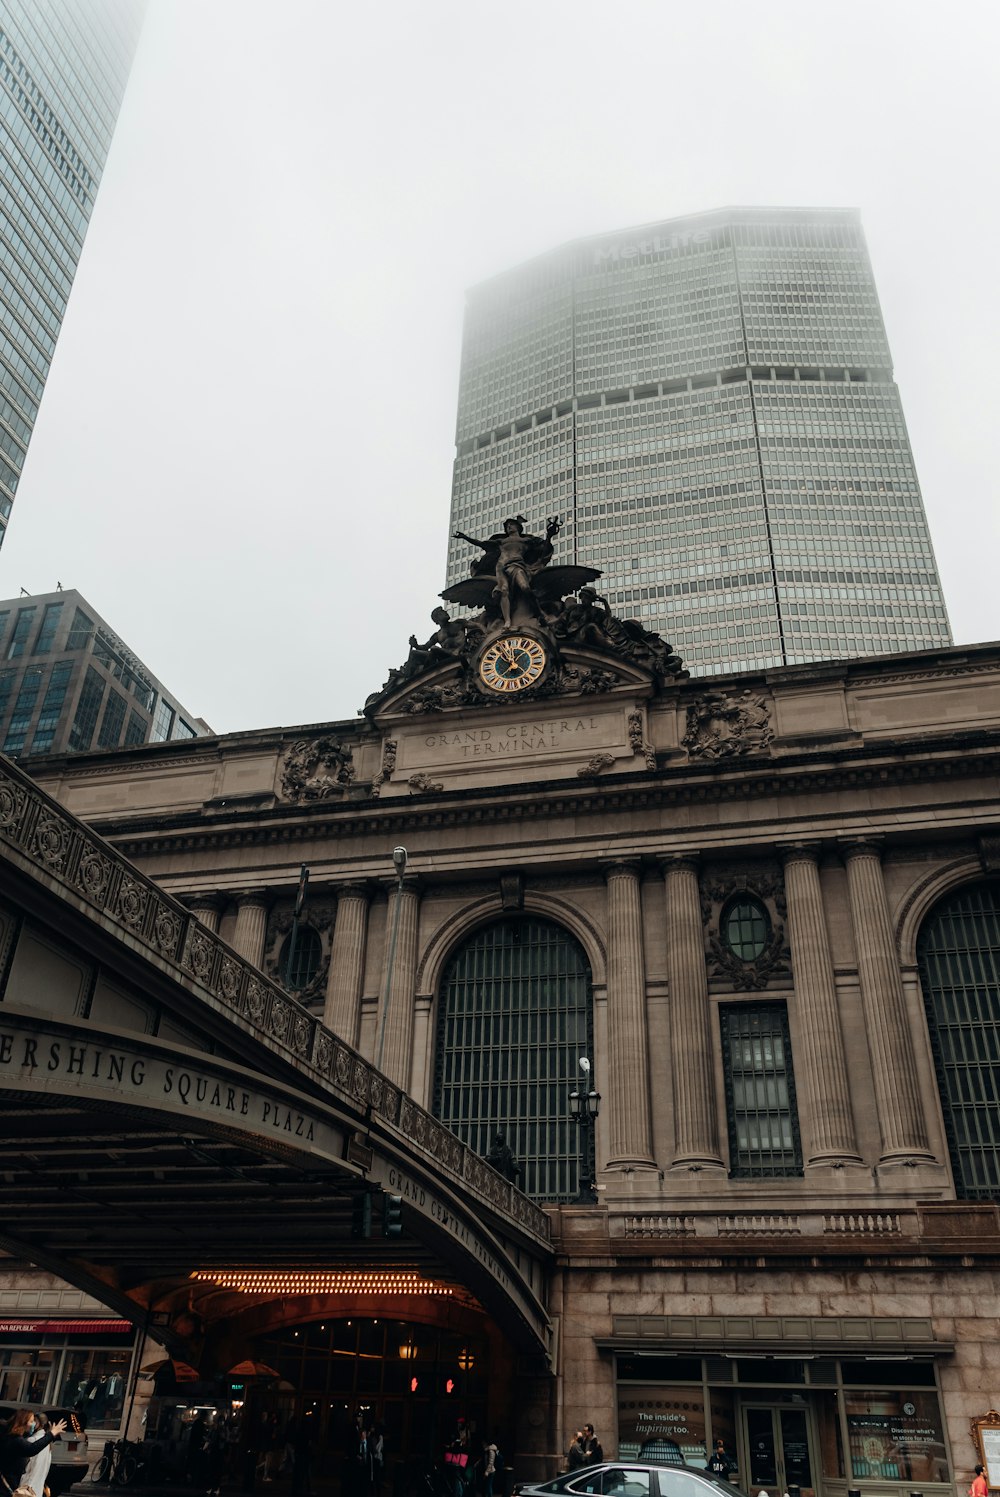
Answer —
68 683
64 65
709 405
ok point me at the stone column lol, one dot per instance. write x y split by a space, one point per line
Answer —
629 1123
900 1115
205 907
342 1005
696 1127
251 925
820 1058
394 1032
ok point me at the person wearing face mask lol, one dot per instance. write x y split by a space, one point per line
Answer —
36 1472
17 1447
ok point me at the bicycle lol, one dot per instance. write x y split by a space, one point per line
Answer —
122 1463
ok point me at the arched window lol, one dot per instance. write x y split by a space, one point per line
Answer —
514 1017
298 968
958 952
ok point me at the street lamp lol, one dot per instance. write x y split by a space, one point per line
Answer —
584 1107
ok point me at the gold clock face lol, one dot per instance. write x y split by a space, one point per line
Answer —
512 663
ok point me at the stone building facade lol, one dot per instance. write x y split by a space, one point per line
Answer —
767 914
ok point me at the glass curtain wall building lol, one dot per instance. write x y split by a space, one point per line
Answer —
63 69
709 403
68 683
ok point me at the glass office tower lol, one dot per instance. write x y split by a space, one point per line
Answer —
63 69
709 404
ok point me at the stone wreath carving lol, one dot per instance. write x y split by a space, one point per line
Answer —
637 743
318 918
595 765
720 885
387 769
721 726
315 769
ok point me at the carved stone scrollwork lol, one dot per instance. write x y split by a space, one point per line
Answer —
93 875
638 742
721 726
387 768
316 769
595 765
12 800
52 841
720 884
420 781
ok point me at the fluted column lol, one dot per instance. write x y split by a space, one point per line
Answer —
342 1005
394 1032
630 1133
696 1127
900 1115
251 925
821 1064
205 907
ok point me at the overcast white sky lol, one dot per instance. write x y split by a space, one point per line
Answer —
243 457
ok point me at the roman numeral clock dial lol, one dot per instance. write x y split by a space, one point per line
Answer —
511 663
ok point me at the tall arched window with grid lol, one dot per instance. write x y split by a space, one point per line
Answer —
514 1016
958 953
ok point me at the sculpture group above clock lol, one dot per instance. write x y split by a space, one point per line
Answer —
541 630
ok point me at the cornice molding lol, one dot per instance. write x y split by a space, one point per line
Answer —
677 786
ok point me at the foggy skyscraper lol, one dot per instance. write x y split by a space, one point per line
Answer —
63 71
709 403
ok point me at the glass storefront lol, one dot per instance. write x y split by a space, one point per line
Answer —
86 1370
798 1426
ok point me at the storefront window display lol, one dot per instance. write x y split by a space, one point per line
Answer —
829 1422
94 1383
896 1436
672 1418
63 1368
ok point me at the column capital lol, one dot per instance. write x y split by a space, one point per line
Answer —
410 883
801 852
249 897
678 862
357 889
621 867
196 902
861 847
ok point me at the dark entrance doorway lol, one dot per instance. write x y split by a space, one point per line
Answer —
415 1382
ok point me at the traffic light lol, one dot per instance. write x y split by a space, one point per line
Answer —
392 1216
361 1215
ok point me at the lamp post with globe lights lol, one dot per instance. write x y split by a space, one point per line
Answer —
584 1107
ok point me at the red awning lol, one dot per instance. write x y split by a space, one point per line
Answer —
65 1327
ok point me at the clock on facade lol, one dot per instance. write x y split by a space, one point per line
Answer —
512 663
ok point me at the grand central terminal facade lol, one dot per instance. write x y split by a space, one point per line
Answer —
765 912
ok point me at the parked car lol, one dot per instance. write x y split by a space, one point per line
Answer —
69 1452
630 1479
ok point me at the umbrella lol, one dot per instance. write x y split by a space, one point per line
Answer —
183 1373
251 1369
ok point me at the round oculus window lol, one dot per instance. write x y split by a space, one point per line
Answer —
745 928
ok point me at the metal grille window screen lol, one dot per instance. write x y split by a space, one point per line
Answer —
308 953
760 1091
515 1015
959 957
